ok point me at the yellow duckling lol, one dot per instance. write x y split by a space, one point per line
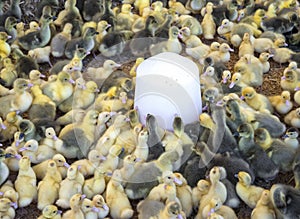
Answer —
6 209
37 153
263 208
293 118
263 58
41 55
190 40
208 24
4 46
89 166
289 80
61 163
117 199
256 101
8 73
70 186
96 184
102 27
33 26
250 194
215 205
75 204
112 160
198 52
25 183
60 89
50 212
246 46
178 7
199 191
282 103
171 45
125 18
8 191
49 185
101 205
237 80
222 55
281 55
12 162
138 61
140 5
89 209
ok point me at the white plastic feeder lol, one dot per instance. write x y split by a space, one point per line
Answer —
168 84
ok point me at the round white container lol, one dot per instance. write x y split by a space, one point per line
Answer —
168 84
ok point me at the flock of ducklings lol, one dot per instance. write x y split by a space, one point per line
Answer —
75 141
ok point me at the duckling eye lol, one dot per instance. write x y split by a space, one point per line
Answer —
169 177
54 212
88 206
60 161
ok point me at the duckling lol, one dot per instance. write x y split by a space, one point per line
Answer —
51 212
171 45
263 58
25 183
172 210
70 186
20 29
112 160
282 155
178 7
35 77
61 163
263 44
255 153
20 101
137 188
13 161
279 24
6 209
8 73
208 24
133 69
9 28
281 55
263 208
89 166
60 89
37 153
10 128
41 55
198 52
59 41
215 205
102 28
192 23
246 46
78 137
283 198
89 209
289 80
9 192
291 138
125 18
75 205
184 194
24 63
256 101
282 103
39 38
96 184
237 80
33 26
217 188
222 54
101 205
4 169
70 12
199 191
49 185
101 73
142 150
86 41
250 194
117 199
113 43
5 49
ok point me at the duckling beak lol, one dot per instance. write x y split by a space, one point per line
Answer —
220 103
123 99
177 181
3 126
271 55
180 36
95 209
221 27
297 88
236 134
18 156
55 137
231 85
30 85
105 207
83 196
14 205
71 81
285 44
287 102
179 216
66 164
224 81
285 136
236 175
9 36
242 98
22 149
231 50
283 78
59 212
42 76
102 158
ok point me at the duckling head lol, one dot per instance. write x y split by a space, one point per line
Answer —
95 155
12 117
265 197
226 75
264 56
5 204
50 133
4 36
102 26
76 201
203 185
245 130
180 179
50 211
292 132
35 74
217 173
24 163
280 42
31 145
285 96
225 27
174 209
185 31
72 171
99 202
261 137
249 93
21 85
111 65
92 87
210 94
64 77
244 178
210 71
215 204
91 117
289 75
224 47
174 32
126 8
90 32
60 160
235 79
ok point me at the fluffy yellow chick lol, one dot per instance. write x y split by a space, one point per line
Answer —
282 103
256 101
